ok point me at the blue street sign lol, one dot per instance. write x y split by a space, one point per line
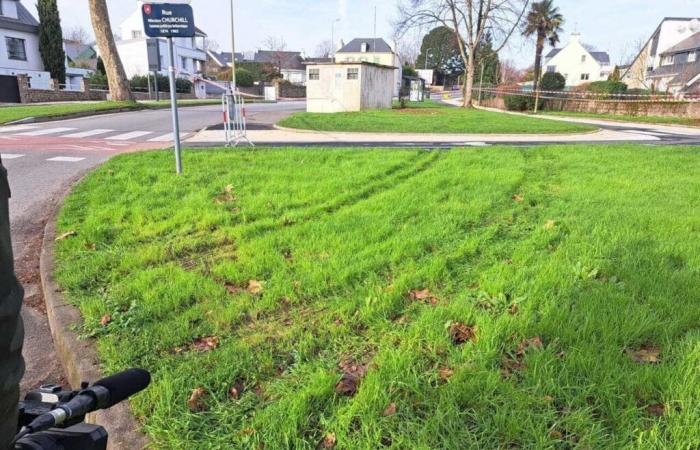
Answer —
168 20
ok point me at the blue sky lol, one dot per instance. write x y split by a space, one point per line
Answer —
609 25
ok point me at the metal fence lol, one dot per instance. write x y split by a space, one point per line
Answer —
235 128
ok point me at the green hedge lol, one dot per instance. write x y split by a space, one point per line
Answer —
608 87
521 103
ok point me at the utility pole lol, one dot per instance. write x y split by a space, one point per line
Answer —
333 47
427 55
233 51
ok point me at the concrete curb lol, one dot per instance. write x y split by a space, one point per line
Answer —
79 357
76 115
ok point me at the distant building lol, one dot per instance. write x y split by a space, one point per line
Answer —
348 86
190 54
19 44
372 50
80 55
221 60
669 59
578 64
289 64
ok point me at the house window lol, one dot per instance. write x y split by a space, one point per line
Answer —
585 76
364 48
551 69
15 49
136 34
183 62
353 74
314 74
667 60
583 58
692 57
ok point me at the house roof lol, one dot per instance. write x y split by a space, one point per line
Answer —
285 60
681 73
601 57
355 46
224 58
24 22
686 45
318 60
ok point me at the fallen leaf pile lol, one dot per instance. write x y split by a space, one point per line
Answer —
206 344
390 410
227 196
66 235
255 287
658 410
106 319
352 376
461 333
328 441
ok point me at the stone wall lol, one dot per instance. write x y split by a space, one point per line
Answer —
29 95
288 90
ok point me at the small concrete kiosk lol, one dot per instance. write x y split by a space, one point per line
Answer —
348 86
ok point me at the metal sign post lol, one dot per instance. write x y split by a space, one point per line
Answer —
165 20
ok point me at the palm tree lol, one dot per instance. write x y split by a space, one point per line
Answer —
544 20
118 84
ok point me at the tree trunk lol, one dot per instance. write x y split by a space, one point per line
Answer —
538 58
469 80
118 84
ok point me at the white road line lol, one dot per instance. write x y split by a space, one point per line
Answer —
89 133
10 138
15 128
167 137
45 131
127 136
65 159
10 156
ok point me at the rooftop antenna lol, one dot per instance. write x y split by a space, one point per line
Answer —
374 49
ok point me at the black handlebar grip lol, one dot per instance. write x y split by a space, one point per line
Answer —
123 385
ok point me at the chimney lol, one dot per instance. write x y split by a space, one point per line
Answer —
576 37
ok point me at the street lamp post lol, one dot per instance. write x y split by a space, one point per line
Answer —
333 37
427 55
233 51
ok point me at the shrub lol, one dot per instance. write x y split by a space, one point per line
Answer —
244 78
608 87
140 83
553 81
520 103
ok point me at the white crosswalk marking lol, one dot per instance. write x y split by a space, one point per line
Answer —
65 159
10 156
46 131
127 136
167 137
15 128
89 133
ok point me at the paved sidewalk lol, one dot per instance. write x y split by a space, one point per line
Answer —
301 137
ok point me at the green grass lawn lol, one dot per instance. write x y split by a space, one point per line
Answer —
13 113
429 117
474 298
662 120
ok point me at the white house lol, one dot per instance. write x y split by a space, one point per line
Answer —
372 50
578 64
190 53
348 86
669 59
19 44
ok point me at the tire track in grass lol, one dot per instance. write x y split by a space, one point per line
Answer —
346 201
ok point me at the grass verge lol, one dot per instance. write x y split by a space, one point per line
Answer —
659 120
430 117
299 298
14 113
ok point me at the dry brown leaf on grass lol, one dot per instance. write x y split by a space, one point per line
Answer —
658 410
390 410
66 235
445 374
645 355
196 401
513 309
351 378
328 441
515 363
206 344
461 333
255 287
424 296
106 319
518 198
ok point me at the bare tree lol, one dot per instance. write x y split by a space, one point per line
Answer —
510 74
469 20
324 49
118 84
211 44
408 48
77 34
274 43
635 54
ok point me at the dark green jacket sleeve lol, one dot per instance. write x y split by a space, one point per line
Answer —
11 329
